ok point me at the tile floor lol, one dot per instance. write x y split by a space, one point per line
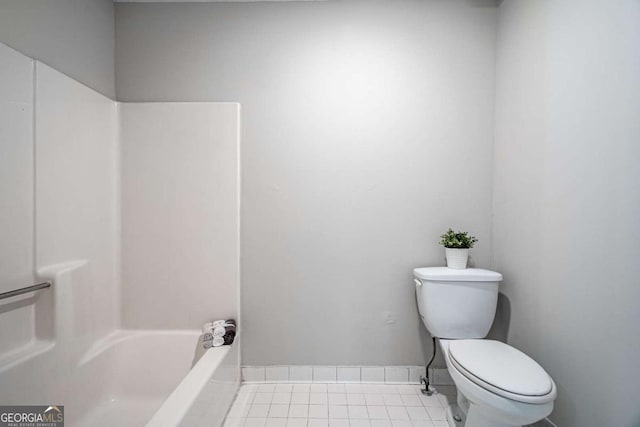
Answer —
337 405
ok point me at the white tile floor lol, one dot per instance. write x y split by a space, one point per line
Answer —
337 405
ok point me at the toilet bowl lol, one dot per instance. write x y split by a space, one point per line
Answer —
498 385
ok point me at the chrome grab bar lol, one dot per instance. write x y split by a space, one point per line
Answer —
25 290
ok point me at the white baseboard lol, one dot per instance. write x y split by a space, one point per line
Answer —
344 374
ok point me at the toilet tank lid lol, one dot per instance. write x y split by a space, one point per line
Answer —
445 274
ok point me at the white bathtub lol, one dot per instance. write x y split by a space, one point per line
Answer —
132 378
157 378
123 377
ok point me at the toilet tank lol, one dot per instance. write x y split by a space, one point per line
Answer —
457 304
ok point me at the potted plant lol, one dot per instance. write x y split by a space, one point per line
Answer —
456 247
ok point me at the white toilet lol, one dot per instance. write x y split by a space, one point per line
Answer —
498 386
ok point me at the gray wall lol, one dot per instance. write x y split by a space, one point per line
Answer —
367 131
75 37
567 199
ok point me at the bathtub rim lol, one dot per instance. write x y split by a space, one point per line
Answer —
176 406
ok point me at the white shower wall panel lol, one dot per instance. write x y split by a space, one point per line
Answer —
180 196
77 192
16 196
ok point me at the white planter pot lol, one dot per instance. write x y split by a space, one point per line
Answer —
457 258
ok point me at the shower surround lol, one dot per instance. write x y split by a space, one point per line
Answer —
96 186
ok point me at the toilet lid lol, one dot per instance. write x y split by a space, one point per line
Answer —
502 369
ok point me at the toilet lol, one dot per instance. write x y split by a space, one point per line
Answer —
498 385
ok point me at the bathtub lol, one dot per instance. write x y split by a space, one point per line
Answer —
158 378
129 378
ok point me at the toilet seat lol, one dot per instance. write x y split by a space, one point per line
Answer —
502 369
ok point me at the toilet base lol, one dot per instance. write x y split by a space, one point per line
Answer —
454 412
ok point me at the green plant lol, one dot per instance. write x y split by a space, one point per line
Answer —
459 240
